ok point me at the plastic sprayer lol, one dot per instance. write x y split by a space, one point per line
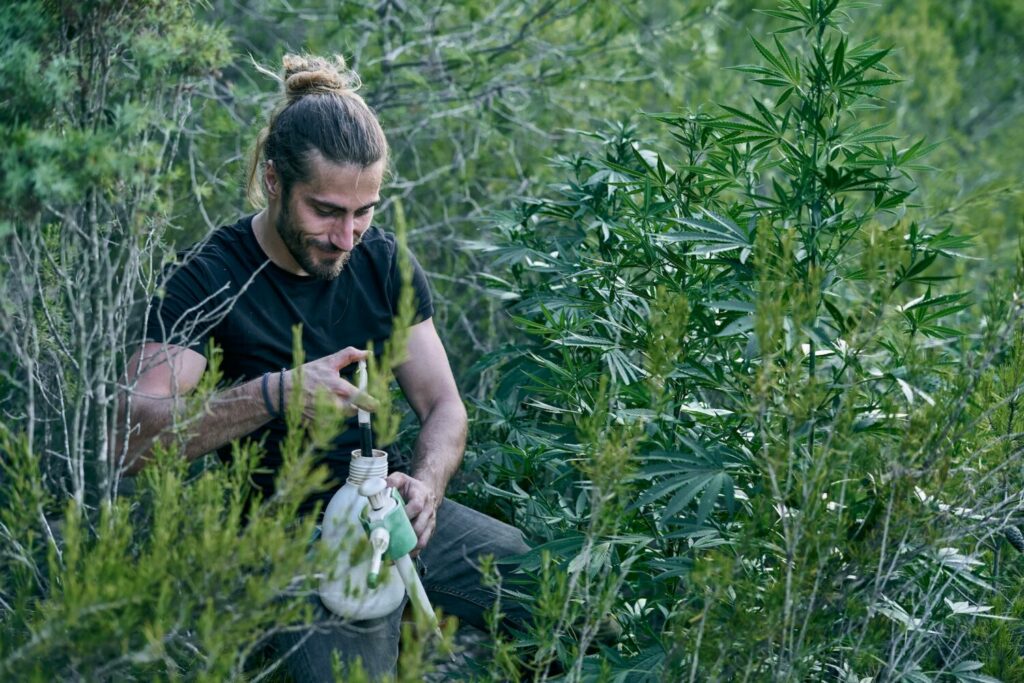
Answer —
369 585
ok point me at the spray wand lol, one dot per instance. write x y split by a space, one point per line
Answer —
387 524
365 431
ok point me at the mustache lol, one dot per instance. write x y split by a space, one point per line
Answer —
331 248
325 246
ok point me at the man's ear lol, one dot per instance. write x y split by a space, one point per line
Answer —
271 183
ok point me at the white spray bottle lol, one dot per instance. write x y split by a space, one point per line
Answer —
346 589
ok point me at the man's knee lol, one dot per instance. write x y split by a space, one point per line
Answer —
463 529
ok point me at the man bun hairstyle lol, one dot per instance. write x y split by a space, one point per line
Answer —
319 111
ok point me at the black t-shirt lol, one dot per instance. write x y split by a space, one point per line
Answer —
226 289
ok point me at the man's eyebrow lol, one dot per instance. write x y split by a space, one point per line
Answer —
337 207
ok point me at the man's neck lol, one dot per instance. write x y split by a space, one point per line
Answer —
272 244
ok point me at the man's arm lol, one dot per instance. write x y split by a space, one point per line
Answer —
160 376
427 382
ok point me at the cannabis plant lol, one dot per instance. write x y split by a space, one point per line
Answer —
736 419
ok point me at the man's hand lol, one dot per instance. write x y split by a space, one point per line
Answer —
324 374
420 505
160 375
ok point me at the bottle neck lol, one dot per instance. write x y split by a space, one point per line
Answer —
360 469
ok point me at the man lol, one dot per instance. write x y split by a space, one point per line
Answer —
312 257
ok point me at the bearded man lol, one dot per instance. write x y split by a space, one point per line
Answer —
313 257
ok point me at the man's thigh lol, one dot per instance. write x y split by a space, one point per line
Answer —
450 563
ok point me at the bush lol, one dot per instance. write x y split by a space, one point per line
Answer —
177 579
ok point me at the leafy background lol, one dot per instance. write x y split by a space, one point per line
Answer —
732 290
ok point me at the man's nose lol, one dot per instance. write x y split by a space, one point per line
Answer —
343 234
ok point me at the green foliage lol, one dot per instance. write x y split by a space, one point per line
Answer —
96 96
387 418
783 471
186 579
87 87
753 405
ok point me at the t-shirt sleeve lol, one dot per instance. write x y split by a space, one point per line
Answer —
422 299
184 310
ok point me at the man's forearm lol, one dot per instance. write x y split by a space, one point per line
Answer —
440 445
226 415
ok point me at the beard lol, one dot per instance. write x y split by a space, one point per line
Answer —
303 248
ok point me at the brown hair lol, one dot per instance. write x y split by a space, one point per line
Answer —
320 110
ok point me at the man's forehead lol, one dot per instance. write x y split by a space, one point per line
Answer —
348 185
319 166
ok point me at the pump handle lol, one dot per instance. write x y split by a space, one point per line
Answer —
373 488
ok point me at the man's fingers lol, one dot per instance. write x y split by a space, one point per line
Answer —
423 523
351 396
413 508
364 401
398 480
346 356
423 537
419 507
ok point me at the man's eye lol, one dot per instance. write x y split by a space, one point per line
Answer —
325 212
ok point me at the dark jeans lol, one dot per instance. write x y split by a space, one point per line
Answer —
449 570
